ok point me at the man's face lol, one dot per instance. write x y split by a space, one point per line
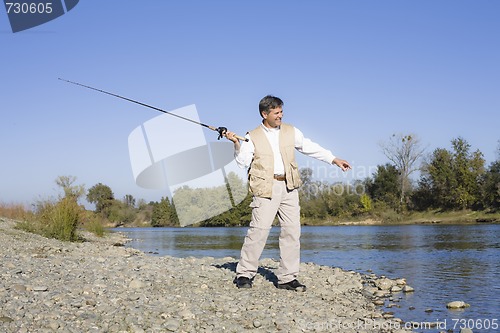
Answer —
273 118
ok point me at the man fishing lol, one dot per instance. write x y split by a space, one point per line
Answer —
269 153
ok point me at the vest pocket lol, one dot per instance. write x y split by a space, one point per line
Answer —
294 179
258 182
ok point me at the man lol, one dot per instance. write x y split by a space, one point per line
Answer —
274 179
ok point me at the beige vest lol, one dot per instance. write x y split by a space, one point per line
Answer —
261 172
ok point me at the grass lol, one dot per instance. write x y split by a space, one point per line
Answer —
54 219
459 216
59 219
15 211
94 224
389 216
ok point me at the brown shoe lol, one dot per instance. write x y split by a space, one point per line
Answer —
292 285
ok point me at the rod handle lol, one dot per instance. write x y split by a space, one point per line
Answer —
222 132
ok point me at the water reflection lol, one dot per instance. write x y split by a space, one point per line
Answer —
183 242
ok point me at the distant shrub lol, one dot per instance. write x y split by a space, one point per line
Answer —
386 213
366 203
15 211
119 213
60 219
94 224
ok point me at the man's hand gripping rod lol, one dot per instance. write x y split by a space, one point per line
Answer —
221 130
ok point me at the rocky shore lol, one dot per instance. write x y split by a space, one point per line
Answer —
100 286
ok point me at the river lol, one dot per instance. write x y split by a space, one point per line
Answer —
443 263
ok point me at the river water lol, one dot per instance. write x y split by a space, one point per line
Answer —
443 263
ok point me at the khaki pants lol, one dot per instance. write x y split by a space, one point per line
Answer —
285 204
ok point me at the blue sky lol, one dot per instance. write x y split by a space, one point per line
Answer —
351 74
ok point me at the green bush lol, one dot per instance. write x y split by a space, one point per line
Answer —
59 220
93 223
28 225
118 213
95 226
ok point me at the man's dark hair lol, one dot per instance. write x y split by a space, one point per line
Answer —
269 102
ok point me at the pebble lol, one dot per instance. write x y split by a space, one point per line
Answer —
465 330
408 289
384 283
396 289
457 305
401 282
95 286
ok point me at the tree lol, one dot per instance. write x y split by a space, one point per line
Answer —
164 214
453 178
129 201
403 151
498 151
236 187
491 185
366 203
100 195
240 215
384 186
306 190
194 205
438 176
118 212
70 191
469 168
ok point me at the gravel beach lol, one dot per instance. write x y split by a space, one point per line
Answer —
100 286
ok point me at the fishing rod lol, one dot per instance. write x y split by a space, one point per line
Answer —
221 130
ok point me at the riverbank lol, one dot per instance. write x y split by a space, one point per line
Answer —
99 286
431 217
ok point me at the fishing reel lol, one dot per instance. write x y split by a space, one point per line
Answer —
222 132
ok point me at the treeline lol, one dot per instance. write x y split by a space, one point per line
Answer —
450 180
224 205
